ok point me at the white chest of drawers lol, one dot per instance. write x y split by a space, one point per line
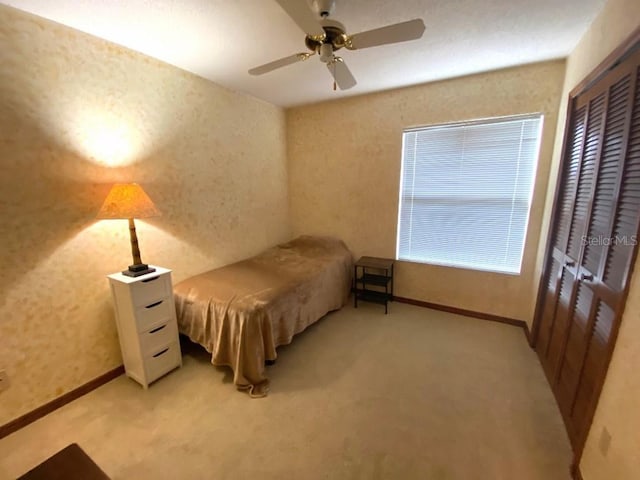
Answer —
147 326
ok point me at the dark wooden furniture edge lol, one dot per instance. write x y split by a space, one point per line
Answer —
30 417
70 463
469 313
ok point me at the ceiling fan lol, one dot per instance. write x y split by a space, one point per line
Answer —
325 36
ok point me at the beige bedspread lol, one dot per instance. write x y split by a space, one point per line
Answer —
241 312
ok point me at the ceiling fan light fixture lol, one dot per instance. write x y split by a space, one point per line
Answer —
326 52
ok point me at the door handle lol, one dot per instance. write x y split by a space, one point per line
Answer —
586 277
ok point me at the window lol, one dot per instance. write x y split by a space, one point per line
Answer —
465 192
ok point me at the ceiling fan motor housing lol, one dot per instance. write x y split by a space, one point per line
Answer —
334 34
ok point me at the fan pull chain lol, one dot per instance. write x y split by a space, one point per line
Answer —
334 75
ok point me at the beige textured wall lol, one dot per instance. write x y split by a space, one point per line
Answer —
344 173
77 114
618 409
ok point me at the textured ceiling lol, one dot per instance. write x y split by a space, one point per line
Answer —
222 39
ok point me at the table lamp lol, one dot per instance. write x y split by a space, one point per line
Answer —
129 200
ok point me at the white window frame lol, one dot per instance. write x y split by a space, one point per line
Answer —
534 166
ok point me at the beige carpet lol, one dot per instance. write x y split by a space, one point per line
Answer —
416 394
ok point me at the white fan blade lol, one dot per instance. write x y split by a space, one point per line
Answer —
300 12
341 73
283 62
399 32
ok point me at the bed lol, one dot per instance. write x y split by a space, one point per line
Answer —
241 312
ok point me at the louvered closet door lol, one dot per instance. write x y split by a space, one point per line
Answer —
574 228
593 243
569 355
617 214
560 279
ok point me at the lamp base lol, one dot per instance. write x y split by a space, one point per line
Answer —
138 269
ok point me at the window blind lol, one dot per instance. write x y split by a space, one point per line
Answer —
465 192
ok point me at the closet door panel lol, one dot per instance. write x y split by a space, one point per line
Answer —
625 231
594 367
579 223
581 210
560 234
570 181
549 307
579 333
609 173
601 212
593 243
561 324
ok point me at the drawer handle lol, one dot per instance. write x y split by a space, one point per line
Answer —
150 279
161 352
157 329
154 304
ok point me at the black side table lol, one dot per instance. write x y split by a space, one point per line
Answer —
373 281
